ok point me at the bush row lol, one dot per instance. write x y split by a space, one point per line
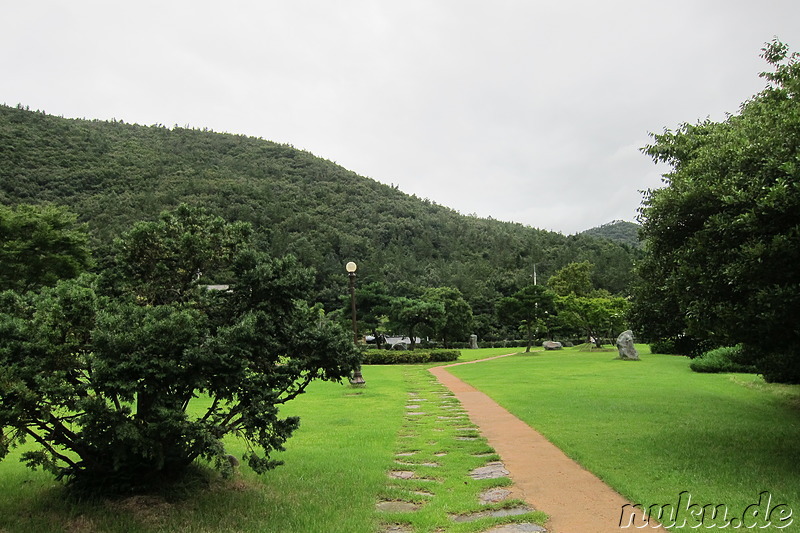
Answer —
405 357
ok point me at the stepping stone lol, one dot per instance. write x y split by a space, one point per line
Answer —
493 470
498 513
405 454
440 454
466 438
397 507
524 527
412 406
495 495
415 413
401 474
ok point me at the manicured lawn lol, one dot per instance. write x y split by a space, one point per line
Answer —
652 429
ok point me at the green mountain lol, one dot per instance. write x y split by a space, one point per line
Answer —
113 174
620 231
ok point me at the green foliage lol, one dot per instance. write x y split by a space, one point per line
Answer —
724 359
598 317
406 357
102 376
620 231
40 245
115 174
573 279
409 314
722 234
530 309
456 323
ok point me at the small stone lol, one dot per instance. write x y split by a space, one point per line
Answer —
493 470
412 406
401 474
495 495
551 345
498 513
397 507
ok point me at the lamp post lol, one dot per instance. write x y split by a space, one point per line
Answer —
357 379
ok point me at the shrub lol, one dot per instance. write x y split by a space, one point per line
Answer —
725 359
405 357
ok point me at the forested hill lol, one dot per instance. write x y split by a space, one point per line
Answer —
113 174
620 231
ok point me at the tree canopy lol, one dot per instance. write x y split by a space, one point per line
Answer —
722 234
40 245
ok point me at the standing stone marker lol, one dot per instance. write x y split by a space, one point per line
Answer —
473 342
627 351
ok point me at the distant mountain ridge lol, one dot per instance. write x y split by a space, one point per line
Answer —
620 231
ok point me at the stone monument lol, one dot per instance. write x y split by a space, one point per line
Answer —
627 351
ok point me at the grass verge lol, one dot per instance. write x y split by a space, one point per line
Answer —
653 428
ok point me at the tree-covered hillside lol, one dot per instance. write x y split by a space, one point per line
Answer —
620 231
113 174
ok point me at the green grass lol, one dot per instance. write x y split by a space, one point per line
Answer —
335 472
335 467
654 428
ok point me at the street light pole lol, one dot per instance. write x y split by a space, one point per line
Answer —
357 379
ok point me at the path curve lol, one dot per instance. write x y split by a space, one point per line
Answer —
576 500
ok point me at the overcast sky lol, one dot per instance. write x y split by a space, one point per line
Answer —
527 111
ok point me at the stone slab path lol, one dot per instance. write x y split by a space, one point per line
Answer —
575 499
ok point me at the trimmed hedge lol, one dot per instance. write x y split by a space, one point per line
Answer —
725 359
407 357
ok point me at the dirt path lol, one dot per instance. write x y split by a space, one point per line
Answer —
574 498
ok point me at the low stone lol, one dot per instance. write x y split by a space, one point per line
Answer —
495 495
492 470
627 351
551 345
401 474
498 513
397 507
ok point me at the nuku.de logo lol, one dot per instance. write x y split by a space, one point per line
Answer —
685 514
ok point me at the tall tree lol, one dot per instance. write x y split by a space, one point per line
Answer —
124 388
722 233
457 320
574 278
528 308
410 314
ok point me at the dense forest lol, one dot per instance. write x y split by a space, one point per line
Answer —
113 174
